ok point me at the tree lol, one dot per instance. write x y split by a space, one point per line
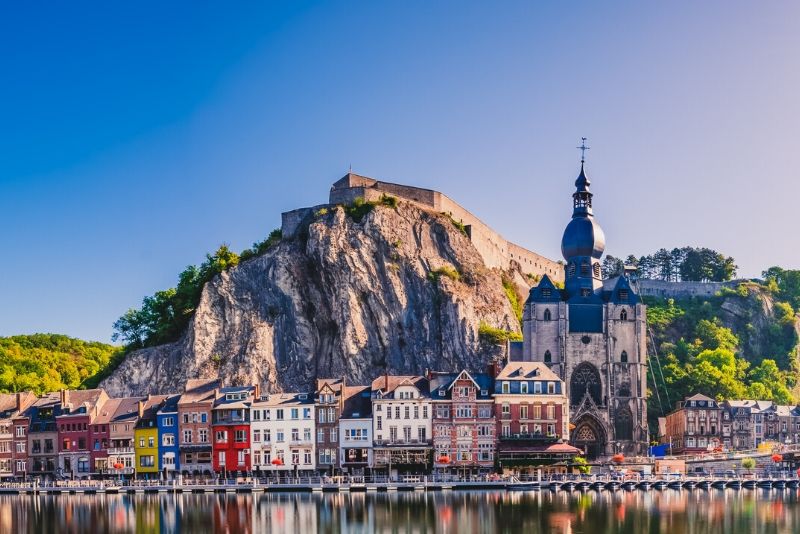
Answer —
785 283
612 267
748 463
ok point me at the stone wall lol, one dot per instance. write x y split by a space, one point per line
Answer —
497 252
663 289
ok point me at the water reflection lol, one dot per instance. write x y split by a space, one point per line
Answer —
674 512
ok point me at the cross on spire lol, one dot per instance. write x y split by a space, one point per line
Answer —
583 148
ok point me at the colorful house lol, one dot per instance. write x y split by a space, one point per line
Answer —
194 426
464 435
145 437
78 409
11 405
168 450
39 424
121 453
532 413
282 428
231 429
100 438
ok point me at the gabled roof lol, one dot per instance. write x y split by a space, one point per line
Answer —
699 396
151 406
200 390
539 293
222 401
13 403
527 371
623 292
441 384
387 383
334 385
74 399
283 399
170 404
107 411
127 409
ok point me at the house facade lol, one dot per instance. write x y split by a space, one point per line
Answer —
168 450
328 406
283 433
194 426
230 418
695 425
11 405
355 431
464 427
78 408
402 425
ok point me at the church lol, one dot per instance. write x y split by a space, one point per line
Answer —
593 338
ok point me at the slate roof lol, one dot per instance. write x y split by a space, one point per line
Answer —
387 383
199 390
357 403
283 399
527 371
441 385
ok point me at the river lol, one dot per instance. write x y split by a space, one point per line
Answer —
669 511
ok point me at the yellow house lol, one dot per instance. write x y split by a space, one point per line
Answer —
145 437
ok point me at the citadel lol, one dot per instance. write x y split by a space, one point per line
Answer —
590 332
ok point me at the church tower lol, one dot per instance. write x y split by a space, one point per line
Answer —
592 333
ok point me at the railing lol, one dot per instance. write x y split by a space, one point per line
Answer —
121 450
402 442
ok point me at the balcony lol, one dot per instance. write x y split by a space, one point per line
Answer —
403 443
530 436
120 450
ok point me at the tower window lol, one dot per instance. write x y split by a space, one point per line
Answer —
623 357
623 315
548 357
547 315
585 268
571 269
596 269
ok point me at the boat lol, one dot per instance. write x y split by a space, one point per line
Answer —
690 484
718 484
704 484
675 484
523 486
660 484
629 485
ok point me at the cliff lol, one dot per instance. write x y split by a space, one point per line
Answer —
400 290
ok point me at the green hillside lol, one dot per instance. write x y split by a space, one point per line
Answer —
49 362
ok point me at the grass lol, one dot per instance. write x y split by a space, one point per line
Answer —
450 272
496 336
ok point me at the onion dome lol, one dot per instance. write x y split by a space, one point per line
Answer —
583 236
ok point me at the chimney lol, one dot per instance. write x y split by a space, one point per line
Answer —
494 367
386 382
64 394
256 391
140 408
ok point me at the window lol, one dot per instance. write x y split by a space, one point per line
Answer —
551 387
331 415
424 412
506 409
295 434
307 456
147 461
334 436
256 436
551 411
240 457
20 431
505 387
547 315
506 431
141 443
295 456
584 268
279 436
240 436
548 358
407 412
416 412
321 416
295 413
279 414
537 387
306 413
523 411
379 423
596 270
203 435
397 412
623 315
221 458
623 357
320 435
306 434
388 412
267 436
523 387
169 421
187 436
185 419
204 417
221 436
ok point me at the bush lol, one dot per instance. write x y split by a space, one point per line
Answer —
458 224
513 299
446 270
496 336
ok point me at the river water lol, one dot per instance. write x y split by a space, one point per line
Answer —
668 511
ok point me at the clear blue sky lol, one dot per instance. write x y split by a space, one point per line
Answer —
137 136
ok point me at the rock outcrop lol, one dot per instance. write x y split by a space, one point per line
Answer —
401 290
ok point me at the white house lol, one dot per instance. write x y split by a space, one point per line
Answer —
355 430
401 409
282 433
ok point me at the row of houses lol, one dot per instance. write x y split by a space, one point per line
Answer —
514 418
701 424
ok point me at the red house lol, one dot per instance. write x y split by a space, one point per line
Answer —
230 428
78 410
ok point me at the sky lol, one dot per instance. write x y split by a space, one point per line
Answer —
135 137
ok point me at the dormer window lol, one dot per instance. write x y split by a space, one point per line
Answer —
547 315
441 393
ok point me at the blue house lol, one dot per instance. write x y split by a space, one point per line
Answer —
167 421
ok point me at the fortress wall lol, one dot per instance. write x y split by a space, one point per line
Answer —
497 252
663 289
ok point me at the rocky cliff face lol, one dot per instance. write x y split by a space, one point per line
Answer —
401 290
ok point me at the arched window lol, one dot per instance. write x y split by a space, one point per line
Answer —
548 357
596 270
623 423
585 380
547 315
623 315
623 357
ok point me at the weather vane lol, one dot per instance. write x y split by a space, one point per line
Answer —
583 148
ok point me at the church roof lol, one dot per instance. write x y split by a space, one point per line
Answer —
544 291
623 292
